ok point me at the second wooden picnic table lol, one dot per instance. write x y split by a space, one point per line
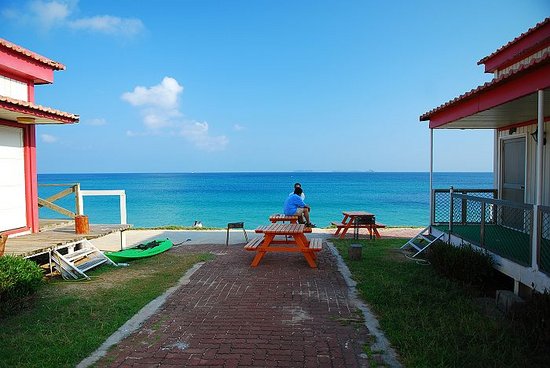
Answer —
355 220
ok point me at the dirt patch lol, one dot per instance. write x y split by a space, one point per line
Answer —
398 255
106 280
111 276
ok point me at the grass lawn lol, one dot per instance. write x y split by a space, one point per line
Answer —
429 320
67 320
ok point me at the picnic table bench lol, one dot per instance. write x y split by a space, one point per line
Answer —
295 241
277 217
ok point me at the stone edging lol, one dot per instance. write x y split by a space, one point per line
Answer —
381 345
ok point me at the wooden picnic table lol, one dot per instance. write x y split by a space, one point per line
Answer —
295 241
356 220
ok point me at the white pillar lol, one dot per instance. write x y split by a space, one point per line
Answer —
496 159
123 219
538 183
123 242
540 143
80 200
122 202
432 210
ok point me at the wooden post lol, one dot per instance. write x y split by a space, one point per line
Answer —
354 252
81 224
3 240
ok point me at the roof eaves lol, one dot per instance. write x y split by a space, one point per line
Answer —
23 51
514 41
545 58
38 108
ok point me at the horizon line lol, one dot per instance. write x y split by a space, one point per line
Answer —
269 172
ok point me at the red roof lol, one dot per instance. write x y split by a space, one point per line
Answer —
515 40
13 107
504 78
536 38
23 51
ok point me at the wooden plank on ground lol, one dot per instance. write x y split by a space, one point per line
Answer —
42 242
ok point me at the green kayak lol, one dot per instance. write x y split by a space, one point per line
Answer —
141 251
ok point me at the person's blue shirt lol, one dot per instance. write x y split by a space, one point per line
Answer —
292 203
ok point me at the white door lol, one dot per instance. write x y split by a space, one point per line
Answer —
12 179
513 180
513 170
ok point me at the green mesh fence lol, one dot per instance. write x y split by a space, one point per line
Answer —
442 204
544 236
502 227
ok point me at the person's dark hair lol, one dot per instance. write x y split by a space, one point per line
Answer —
298 190
297 185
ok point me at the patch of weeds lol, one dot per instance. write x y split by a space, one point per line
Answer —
356 319
374 356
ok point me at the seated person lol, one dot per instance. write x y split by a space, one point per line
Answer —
295 206
303 195
301 219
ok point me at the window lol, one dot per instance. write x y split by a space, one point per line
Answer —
13 88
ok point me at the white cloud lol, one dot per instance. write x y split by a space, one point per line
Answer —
96 122
109 24
163 95
238 127
49 13
47 138
159 107
61 14
159 103
157 118
197 133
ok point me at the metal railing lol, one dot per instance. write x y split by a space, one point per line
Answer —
544 239
442 203
502 227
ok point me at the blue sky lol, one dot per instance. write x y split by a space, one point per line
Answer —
183 86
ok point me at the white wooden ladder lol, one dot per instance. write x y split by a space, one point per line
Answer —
421 241
82 256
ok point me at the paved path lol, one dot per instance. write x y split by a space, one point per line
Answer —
280 314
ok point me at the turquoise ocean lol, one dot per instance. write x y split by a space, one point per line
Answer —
397 199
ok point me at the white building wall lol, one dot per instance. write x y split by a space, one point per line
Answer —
526 61
531 148
13 89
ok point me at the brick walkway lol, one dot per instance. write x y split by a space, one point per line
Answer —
280 314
